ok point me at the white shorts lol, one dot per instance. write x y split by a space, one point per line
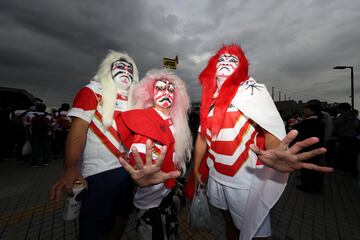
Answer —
234 200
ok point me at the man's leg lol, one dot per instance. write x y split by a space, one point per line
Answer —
123 204
35 145
217 197
98 210
45 150
118 229
232 233
233 201
95 218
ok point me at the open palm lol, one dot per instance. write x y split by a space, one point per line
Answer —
150 173
288 159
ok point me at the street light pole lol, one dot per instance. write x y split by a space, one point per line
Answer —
352 82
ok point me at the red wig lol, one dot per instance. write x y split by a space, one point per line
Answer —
228 89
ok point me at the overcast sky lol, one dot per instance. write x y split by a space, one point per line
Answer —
52 48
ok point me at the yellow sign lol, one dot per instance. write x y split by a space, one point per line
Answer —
170 63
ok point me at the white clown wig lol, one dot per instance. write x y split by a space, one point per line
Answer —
141 96
109 88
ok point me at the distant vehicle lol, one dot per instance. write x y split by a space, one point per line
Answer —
16 98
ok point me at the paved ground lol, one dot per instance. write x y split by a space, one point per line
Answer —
26 212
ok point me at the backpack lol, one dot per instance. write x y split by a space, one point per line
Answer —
40 125
63 122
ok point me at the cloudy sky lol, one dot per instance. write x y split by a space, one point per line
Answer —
52 48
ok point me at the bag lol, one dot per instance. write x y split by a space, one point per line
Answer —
26 149
39 125
63 122
199 211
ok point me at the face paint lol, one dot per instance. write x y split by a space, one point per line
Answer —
164 93
122 73
225 66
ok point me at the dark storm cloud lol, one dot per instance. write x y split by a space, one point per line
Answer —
57 42
77 26
16 58
52 48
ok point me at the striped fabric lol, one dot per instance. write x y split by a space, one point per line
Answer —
229 151
103 146
150 196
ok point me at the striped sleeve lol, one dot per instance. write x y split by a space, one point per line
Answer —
84 105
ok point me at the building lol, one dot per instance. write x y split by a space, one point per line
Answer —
15 98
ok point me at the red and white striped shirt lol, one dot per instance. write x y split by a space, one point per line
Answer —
230 156
103 147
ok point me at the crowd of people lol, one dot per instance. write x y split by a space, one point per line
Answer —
34 135
338 129
128 141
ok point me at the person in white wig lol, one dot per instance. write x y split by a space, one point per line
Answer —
93 148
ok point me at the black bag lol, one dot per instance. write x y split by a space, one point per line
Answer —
40 125
63 122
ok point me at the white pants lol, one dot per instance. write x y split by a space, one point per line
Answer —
234 200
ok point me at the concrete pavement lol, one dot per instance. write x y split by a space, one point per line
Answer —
27 213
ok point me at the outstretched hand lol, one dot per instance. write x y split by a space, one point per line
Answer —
288 159
150 173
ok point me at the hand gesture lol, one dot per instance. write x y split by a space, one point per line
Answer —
148 174
285 159
66 182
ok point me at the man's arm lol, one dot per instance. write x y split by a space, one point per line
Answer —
74 146
200 151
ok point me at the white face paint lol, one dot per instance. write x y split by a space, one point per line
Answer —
164 93
225 66
122 73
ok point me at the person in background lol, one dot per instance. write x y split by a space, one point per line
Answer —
312 125
39 125
61 129
295 119
92 149
18 119
4 123
346 129
161 115
328 140
356 113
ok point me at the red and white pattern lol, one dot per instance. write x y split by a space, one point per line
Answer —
150 196
225 66
265 185
103 146
164 93
229 151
